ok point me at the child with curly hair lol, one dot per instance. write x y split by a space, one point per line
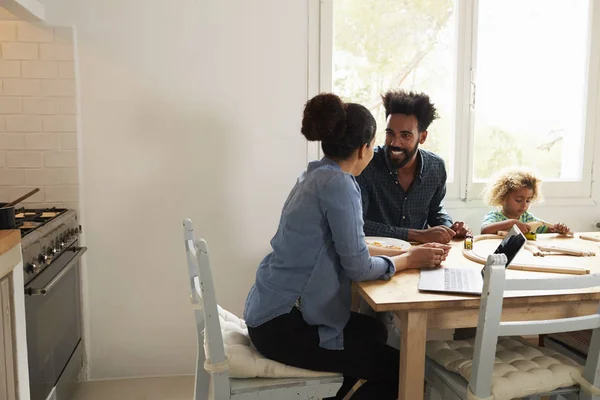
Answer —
512 192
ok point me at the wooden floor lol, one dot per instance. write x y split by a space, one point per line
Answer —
164 388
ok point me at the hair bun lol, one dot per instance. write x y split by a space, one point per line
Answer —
324 118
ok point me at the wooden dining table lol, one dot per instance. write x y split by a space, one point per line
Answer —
416 311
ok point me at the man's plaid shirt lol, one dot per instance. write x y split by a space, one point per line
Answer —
390 211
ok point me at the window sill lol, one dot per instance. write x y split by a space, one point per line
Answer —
454 204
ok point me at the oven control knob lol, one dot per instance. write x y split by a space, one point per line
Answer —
61 243
33 268
43 258
53 251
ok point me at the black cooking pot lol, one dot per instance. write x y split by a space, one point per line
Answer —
7 217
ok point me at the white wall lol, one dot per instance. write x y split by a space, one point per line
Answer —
189 108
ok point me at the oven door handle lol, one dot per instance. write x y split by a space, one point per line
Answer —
43 291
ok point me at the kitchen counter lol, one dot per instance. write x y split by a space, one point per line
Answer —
8 240
14 352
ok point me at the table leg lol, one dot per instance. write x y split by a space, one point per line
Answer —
413 325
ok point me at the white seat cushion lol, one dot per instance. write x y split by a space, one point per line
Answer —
520 369
245 361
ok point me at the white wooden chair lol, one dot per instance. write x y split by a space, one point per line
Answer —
220 385
442 384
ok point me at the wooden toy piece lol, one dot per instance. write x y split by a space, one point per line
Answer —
589 237
555 250
531 246
534 250
536 224
551 269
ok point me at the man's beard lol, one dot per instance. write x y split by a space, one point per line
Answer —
394 163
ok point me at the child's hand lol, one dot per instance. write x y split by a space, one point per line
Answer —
523 226
560 228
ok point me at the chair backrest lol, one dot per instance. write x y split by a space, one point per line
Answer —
206 311
489 326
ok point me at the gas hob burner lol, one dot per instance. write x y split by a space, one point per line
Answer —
27 220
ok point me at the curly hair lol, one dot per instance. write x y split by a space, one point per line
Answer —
410 103
510 180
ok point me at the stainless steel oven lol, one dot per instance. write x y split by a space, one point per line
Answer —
53 316
51 257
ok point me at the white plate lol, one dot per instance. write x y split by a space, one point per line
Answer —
387 242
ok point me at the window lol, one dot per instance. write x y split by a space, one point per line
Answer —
515 82
379 45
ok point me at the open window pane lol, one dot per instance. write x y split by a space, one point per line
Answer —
389 44
530 87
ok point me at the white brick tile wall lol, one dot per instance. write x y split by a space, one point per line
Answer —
27 32
65 158
8 31
23 159
41 177
39 69
6 15
12 141
67 106
59 123
45 205
62 87
38 139
10 105
51 177
69 176
62 193
20 51
68 141
23 123
21 87
66 70
12 177
56 52
10 69
40 105
41 141
63 35
15 192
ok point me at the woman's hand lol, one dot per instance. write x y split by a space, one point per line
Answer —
445 247
384 251
429 255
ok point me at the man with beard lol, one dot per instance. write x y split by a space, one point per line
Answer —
403 186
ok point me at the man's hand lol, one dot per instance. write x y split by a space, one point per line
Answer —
437 234
461 229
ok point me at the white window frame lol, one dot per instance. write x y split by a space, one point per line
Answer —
462 191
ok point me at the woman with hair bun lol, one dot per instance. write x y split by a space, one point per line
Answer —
298 310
